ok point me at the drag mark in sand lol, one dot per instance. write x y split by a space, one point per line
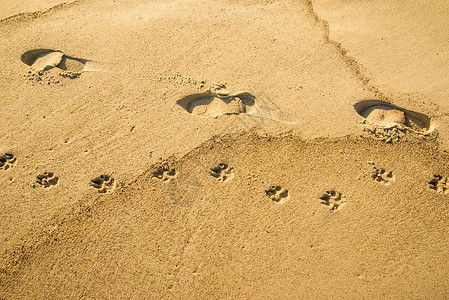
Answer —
47 179
439 183
381 175
333 199
103 183
277 194
7 161
222 172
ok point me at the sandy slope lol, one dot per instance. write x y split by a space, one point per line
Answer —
195 235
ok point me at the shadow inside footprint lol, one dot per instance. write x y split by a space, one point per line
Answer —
7 161
333 199
42 59
222 172
72 64
439 183
217 101
47 179
103 183
381 175
277 194
385 114
164 172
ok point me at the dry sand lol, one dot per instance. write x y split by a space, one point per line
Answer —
225 149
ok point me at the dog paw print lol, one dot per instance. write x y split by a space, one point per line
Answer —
222 172
333 199
381 175
7 161
439 183
277 194
103 183
47 179
164 172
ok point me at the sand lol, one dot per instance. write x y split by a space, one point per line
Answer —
225 149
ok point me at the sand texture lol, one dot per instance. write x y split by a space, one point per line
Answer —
224 149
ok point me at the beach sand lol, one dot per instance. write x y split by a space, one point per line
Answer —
224 149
